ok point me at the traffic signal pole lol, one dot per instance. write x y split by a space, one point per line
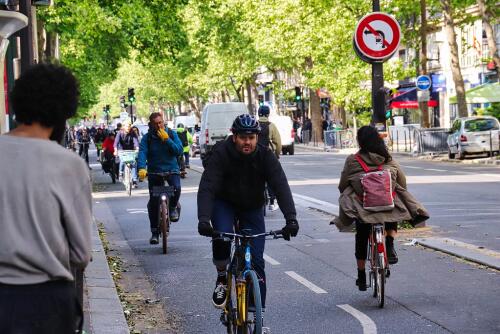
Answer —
378 95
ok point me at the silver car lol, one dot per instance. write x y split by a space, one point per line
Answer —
473 135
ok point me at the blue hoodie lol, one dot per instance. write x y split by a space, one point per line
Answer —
162 155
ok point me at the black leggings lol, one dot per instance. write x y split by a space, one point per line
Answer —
362 234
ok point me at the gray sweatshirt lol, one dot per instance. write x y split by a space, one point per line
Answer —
45 211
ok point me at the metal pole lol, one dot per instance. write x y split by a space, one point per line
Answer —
397 140
26 37
491 146
405 141
378 95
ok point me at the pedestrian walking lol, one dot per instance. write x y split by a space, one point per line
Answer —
46 210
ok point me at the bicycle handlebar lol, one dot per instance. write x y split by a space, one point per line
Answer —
275 234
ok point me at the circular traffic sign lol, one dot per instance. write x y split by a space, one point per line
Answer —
423 82
377 36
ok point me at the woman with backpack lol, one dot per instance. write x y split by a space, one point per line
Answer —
353 202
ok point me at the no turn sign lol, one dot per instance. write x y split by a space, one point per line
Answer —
377 37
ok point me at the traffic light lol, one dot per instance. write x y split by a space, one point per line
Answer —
298 94
131 95
388 97
261 100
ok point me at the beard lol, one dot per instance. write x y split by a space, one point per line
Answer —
58 132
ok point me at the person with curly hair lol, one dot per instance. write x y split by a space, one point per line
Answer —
46 213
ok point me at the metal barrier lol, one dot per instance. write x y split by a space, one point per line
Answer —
402 137
433 140
306 137
339 139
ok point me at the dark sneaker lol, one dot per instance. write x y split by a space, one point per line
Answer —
219 296
154 239
174 215
392 256
361 281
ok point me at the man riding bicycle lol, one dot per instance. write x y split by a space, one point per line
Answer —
126 140
159 150
269 137
232 186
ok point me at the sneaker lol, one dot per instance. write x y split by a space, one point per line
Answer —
154 239
134 184
174 215
392 256
187 166
361 281
219 296
273 207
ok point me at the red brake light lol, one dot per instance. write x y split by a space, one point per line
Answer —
206 136
380 247
293 133
463 138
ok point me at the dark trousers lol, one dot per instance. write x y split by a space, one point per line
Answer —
272 195
43 308
186 158
84 149
156 180
362 234
223 218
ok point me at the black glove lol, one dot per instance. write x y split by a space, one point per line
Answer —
205 229
291 229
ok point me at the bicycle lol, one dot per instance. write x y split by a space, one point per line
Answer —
379 266
128 158
242 284
109 165
164 193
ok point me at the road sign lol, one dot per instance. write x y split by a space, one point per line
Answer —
377 37
423 82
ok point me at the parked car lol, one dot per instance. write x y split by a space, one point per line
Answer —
473 135
216 122
287 133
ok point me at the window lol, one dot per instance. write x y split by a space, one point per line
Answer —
481 124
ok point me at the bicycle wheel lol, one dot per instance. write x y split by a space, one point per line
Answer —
164 222
380 278
228 315
251 326
127 180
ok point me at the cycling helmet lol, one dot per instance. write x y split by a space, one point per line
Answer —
264 111
180 125
245 124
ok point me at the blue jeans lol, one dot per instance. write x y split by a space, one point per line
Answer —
223 219
156 180
133 170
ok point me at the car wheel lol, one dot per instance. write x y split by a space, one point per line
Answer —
460 153
283 151
450 155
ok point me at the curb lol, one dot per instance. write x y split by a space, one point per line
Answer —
105 309
462 250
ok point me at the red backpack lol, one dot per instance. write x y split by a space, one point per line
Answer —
377 188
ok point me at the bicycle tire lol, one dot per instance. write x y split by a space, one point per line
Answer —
164 225
381 287
126 177
373 282
253 289
229 310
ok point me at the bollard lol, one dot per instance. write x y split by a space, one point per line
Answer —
397 140
405 141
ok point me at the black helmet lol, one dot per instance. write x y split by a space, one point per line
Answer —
180 125
246 124
264 111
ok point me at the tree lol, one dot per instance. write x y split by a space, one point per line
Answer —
485 8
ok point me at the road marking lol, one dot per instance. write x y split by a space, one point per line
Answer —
322 240
270 260
368 325
464 215
413 167
311 286
436 170
315 201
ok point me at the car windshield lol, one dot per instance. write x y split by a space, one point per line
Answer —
481 124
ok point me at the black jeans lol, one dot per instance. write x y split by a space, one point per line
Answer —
84 148
362 233
44 308
154 181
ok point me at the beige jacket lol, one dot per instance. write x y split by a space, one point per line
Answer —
406 207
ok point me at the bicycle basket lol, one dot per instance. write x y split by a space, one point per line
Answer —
127 156
160 190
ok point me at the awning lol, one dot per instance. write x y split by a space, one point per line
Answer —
485 93
406 98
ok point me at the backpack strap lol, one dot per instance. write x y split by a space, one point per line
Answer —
364 165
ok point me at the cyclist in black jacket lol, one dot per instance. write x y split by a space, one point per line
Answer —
232 186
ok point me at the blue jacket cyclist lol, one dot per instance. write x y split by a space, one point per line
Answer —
158 150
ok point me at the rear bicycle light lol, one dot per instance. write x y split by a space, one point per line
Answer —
380 247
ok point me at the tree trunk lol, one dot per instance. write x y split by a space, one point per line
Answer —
315 116
492 45
424 106
343 117
249 97
449 26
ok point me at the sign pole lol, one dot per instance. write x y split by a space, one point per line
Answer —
378 98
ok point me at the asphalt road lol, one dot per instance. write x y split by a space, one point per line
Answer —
428 291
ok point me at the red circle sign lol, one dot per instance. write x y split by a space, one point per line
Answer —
377 36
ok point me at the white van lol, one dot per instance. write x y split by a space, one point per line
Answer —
188 121
287 134
216 122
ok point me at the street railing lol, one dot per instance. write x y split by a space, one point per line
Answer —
339 139
431 141
402 138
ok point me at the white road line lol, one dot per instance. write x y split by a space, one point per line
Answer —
436 170
368 325
304 282
322 240
270 260
315 200
413 167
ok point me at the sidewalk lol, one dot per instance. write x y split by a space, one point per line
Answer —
439 158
